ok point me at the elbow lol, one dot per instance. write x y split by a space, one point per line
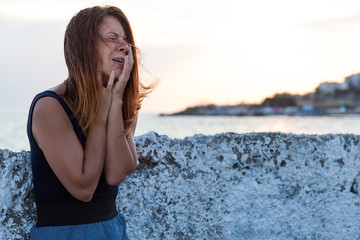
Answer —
117 178
86 199
82 188
83 195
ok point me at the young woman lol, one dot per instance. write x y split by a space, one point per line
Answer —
81 132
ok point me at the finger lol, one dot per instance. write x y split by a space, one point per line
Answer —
131 56
111 80
127 62
125 70
130 48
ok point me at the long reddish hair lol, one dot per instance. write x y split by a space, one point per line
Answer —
83 86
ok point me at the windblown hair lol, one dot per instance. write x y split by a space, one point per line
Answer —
83 87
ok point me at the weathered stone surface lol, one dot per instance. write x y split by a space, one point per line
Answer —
226 186
17 207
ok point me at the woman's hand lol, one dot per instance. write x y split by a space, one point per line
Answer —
119 86
120 154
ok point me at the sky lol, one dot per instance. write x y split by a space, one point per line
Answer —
199 51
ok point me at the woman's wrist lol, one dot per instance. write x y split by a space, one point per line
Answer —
116 101
103 118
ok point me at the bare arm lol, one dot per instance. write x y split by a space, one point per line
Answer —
121 156
77 169
131 142
120 150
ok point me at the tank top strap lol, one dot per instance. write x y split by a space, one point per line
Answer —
60 99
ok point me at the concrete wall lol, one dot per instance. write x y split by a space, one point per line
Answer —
226 186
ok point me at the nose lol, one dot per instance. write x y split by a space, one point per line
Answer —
124 48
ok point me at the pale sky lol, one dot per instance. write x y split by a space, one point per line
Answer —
201 51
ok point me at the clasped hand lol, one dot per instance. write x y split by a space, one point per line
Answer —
114 90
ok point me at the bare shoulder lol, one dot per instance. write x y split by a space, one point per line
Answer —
48 107
49 118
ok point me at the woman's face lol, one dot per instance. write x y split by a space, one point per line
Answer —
113 48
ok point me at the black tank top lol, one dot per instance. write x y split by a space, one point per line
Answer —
55 205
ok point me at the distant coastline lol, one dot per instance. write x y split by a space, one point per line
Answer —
329 98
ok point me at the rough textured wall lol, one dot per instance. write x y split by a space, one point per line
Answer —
226 186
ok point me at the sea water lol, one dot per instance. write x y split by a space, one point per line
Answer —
13 126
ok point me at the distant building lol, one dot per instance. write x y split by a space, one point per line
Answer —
353 80
331 87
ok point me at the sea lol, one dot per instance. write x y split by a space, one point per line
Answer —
13 126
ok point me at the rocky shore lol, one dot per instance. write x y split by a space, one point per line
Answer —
328 98
225 186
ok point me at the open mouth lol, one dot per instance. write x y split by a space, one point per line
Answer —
119 60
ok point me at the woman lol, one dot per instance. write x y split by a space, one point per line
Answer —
81 132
